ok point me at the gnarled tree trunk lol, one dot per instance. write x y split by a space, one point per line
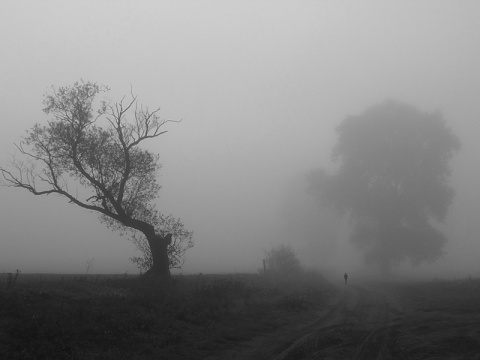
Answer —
159 248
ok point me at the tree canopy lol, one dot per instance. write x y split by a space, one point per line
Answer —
392 179
90 153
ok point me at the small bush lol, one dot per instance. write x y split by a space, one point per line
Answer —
282 260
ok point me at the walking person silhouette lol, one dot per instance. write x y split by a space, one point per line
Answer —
346 278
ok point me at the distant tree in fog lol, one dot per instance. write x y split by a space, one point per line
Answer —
282 260
90 153
392 180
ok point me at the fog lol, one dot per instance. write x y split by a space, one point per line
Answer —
259 88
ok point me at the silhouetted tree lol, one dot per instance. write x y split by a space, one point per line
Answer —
89 153
392 181
180 243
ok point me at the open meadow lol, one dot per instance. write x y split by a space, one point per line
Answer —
119 317
441 319
237 316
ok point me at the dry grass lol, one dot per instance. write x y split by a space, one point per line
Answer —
100 317
441 319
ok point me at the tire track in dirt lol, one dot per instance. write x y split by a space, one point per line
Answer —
380 342
362 326
375 344
271 347
311 337
325 333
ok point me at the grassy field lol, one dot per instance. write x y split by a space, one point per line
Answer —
120 317
442 319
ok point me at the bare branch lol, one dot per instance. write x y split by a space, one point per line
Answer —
118 176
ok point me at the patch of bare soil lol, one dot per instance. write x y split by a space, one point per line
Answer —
439 320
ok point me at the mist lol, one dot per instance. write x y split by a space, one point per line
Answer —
259 88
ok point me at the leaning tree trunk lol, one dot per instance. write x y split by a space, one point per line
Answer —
159 249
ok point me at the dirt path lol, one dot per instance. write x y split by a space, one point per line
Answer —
363 322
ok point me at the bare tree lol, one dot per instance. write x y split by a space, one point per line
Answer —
89 153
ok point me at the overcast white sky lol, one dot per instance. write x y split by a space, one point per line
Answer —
260 87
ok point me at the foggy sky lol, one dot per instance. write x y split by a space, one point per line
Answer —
260 87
